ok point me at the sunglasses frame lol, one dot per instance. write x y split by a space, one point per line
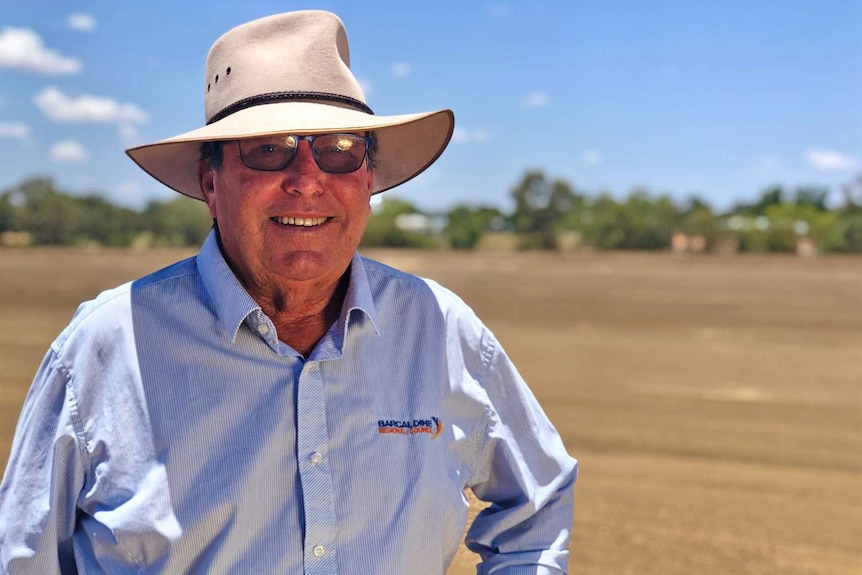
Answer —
310 138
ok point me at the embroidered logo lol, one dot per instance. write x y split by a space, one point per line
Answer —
432 426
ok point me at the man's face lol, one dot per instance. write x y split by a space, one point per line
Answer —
299 224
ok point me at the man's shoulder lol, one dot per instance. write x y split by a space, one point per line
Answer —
379 270
176 271
447 301
380 273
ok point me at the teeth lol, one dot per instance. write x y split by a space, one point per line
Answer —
306 222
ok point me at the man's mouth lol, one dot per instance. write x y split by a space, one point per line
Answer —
302 222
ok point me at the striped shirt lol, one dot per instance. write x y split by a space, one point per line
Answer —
168 430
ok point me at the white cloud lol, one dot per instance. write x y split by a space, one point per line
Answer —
82 22
22 49
128 132
828 160
427 179
467 136
591 157
367 87
14 130
87 109
69 151
534 100
130 193
400 69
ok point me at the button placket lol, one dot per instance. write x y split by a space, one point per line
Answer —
315 476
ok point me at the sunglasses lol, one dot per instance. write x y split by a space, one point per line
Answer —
333 153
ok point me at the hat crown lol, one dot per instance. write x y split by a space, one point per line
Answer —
290 74
296 53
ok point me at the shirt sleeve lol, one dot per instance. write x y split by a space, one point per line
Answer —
527 476
45 474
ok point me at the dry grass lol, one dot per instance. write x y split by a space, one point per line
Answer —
714 403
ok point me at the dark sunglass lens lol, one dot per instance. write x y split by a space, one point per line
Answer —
339 153
268 154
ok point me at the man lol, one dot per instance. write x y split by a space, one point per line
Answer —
279 404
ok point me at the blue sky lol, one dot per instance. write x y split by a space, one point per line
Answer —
718 99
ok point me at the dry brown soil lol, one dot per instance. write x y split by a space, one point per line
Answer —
714 403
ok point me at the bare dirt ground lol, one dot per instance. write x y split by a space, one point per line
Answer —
715 404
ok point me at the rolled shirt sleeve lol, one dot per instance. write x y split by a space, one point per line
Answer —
45 474
527 476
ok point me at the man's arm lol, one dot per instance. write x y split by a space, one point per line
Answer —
527 476
45 474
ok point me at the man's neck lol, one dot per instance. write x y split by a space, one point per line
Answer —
302 311
301 320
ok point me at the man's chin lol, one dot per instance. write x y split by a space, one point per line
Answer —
307 266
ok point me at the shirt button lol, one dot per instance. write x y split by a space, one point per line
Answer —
319 551
263 329
316 458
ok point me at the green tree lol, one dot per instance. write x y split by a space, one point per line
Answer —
848 230
103 222
639 223
466 225
787 222
852 192
649 223
8 214
51 217
812 196
540 209
769 197
604 223
181 221
847 235
697 219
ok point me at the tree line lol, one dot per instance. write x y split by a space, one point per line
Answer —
45 215
547 214
551 214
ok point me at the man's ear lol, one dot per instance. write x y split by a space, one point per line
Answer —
206 177
370 185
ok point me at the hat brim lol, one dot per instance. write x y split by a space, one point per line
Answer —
407 144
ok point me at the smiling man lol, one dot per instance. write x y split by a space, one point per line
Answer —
289 234
278 403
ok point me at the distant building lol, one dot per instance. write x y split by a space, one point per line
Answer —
726 244
681 243
498 241
16 239
805 247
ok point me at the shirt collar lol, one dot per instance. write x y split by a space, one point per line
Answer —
358 297
233 304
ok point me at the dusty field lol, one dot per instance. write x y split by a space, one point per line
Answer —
715 403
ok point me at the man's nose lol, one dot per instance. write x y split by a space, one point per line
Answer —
303 175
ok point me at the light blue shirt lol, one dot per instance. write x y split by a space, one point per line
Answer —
168 430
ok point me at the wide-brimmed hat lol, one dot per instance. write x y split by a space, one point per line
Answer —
290 73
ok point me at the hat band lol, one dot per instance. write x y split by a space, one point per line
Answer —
273 97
